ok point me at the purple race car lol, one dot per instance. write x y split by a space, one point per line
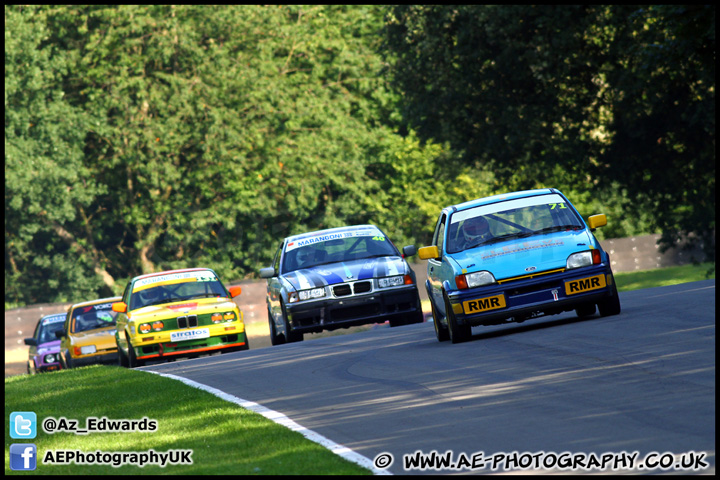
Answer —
44 353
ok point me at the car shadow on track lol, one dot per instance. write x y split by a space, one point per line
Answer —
539 323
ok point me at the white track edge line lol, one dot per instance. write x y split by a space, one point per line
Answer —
285 421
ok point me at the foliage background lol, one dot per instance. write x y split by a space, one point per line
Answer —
144 138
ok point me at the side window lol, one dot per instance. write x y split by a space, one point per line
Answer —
126 294
37 329
439 236
276 261
66 325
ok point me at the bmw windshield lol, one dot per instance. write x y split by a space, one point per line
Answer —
175 287
343 247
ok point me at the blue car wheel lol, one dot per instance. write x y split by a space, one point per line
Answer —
610 305
458 333
441 332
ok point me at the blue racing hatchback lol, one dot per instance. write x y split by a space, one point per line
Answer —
513 257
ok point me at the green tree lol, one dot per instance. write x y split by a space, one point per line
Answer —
510 87
49 247
661 99
614 100
199 135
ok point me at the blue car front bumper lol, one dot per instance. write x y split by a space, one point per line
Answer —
525 298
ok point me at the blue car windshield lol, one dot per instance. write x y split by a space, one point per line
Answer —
509 220
312 252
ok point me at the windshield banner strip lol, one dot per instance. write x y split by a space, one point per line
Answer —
204 276
508 205
53 320
368 232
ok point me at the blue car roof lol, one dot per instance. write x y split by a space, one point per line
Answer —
328 231
501 197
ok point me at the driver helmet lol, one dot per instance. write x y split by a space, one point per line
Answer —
149 295
475 228
304 257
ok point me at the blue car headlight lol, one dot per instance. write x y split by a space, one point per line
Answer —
50 358
583 259
476 279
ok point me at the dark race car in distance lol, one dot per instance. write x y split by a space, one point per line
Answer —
337 278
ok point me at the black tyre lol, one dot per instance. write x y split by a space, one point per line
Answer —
290 336
132 357
458 333
275 339
398 322
122 358
610 305
417 317
408 319
585 310
441 332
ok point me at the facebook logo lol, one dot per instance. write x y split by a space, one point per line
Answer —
23 425
23 456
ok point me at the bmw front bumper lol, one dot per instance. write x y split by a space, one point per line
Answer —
374 307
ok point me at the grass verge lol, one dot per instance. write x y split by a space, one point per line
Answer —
224 438
662 277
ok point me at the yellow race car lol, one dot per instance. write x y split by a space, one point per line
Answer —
177 313
88 334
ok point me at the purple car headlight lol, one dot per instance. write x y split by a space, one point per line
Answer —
50 358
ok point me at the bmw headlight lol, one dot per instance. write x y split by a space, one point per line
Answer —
390 281
311 294
583 259
395 281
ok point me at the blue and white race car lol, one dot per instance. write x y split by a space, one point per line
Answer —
512 257
338 278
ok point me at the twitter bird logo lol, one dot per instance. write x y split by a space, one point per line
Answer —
23 425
